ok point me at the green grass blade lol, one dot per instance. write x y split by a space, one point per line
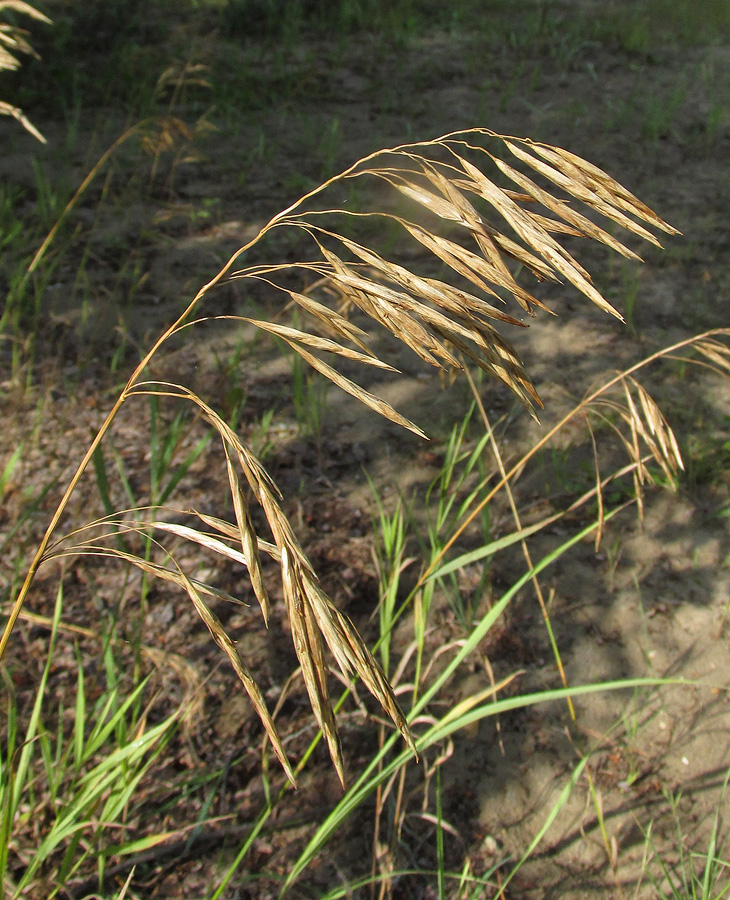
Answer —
74 817
106 724
450 724
103 486
371 777
80 713
466 559
26 754
554 812
9 467
123 477
181 470
125 786
102 481
262 819
487 622
7 779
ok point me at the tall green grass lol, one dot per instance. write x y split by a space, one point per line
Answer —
78 782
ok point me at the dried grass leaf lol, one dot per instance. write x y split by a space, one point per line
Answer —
15 38
579 222
392 305
257 477
352 655
599 485
465 263
373 299
636 425
300 582
449 187
231 531
602 183
716 352
552 226
6 109
655 433
151 568
331 319
25 8
431 201
438 292
670 457
204 540
494 363
520 254
527 227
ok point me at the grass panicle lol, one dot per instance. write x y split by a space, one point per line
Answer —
453 209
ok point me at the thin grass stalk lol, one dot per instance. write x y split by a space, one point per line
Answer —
370 777
525 549
481 884
80 191
554 812
439 839
95 444
377 816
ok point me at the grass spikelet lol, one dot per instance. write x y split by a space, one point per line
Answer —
248 539
219 635
310 653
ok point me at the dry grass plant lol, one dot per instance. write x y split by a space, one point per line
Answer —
447 205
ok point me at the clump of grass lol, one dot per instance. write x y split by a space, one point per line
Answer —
618 404
82 781
689 873
447 204
447 326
